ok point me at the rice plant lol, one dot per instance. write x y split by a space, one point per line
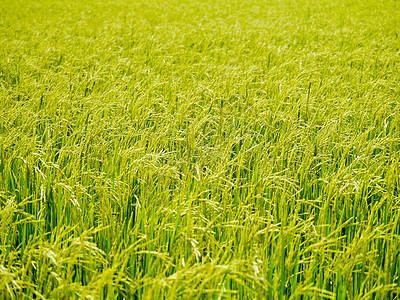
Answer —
199 149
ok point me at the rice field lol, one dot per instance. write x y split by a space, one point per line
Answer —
198 149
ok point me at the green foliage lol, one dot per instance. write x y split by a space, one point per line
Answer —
199 149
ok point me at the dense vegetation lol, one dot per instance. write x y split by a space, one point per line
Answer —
199 149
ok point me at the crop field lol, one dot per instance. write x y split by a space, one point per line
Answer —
199 149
